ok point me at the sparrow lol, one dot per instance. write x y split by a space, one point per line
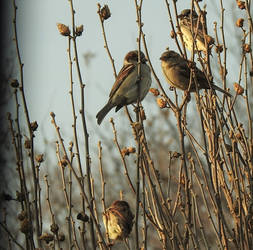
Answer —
128 87
118 220
191 27
177 73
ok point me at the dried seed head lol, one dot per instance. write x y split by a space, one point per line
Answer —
219 48
246 48
173 34
83 217
124 151
154 91
176 155
241 4
239 22
39 158
27 144
46 237
63 29
14 83
34 126
161 102
131 150
54 228
105 13
79 30
238 89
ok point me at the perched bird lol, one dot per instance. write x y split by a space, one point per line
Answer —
118 220
128 87
191 27
177 73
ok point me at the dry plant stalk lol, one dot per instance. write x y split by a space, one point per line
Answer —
199 197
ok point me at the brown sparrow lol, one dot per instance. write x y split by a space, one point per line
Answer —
118 220
127 89
177 73
188 19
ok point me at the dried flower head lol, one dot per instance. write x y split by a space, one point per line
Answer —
161 102
83 217
124 151
27 144
219 48
14 83
63 29
154 91
131 150
79 30
238 89
176 155
46 237
54 228
246 48
105 13
39 158
240 4
34 126
173 34
239 22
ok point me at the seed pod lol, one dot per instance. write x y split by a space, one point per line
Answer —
246 48
63 29
161 102
39 158
34 126
83 217
47 237
154 91
241 5
105 13
239 22
79 30
238 89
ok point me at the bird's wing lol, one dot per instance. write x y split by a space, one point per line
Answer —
197 27
124 72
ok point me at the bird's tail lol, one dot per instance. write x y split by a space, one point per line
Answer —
103 112
221 90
